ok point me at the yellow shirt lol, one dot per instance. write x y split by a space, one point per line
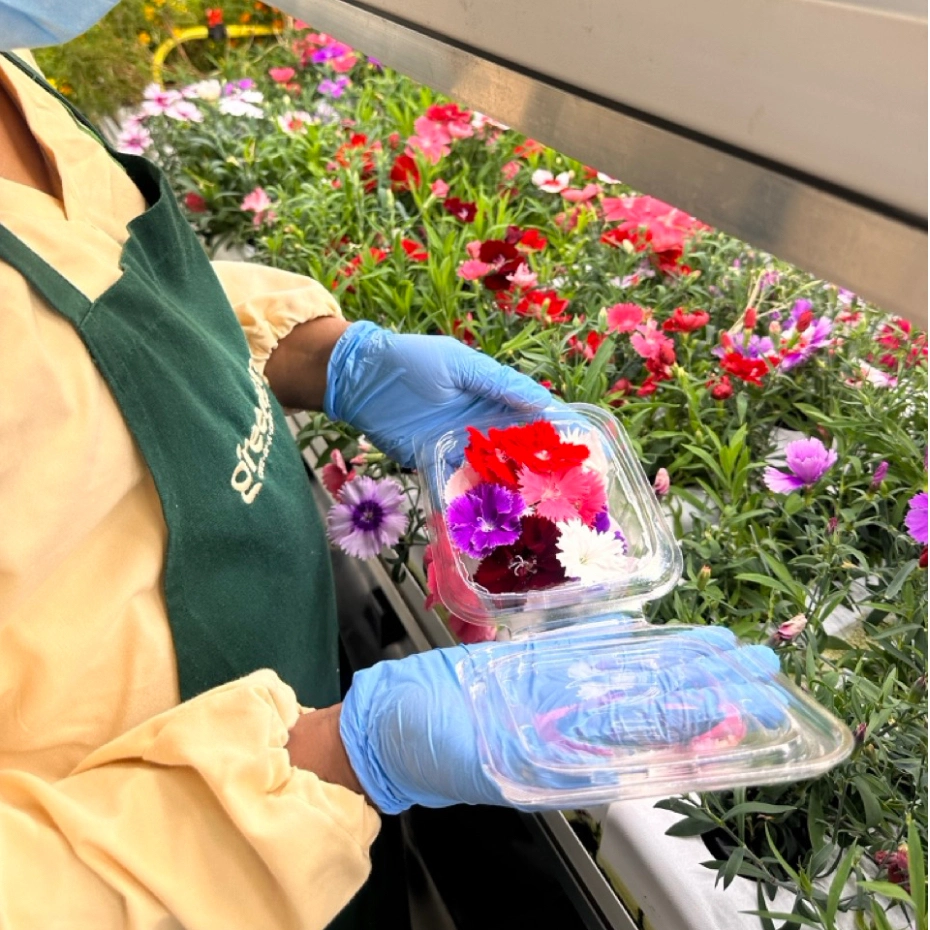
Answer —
120 806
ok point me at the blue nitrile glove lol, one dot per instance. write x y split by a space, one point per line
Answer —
411 739
395 388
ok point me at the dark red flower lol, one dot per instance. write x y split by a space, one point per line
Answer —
504 257
461 209
684 321
545 306
405 174
750 370
897 865
529 564
195 203
922 561
415 251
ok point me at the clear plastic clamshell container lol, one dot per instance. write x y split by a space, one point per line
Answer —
587 703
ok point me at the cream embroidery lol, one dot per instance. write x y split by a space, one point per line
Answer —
252 453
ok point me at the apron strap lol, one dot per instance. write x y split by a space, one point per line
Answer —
57 290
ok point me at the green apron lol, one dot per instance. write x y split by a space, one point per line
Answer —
247 573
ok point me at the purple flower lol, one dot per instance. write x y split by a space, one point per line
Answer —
333 88
916 519
369 516
753 347
328 52
484 518
879 475
804 340
375 63
808 461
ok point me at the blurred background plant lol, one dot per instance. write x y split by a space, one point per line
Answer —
106 69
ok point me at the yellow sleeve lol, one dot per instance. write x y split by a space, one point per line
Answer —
270 302
193 819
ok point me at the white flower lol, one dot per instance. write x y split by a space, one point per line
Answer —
597 457
209 90
235 106
606 178
294 121
589 556
552 184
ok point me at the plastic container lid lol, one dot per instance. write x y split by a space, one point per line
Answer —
588 703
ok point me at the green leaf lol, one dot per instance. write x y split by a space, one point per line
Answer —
758 807
874 815
792 918
690 826
917 869
732 867
898 581
766 582
838 885
888 889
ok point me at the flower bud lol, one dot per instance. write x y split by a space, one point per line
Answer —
922 560
790 630
832 524
750 318
878 475
722 389
804 321
859 734
774 328
703 578
662 483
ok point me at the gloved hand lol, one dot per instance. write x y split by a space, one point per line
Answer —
395 388
411 739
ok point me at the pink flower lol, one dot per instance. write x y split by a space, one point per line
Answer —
648 340
281 75
259 203
789 631
439 188
565 495
156 99
523 277
431 139
294 121
134 140
472 632
552 184
473 248
510 170
662 483
335 473
473 269
184 112
808 461
583 195
624 318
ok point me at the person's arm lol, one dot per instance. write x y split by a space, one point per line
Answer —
197 817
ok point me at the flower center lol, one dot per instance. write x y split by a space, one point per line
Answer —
367 516
521 567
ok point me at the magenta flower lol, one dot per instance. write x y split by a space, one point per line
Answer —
333 88
484 518
369 516
916 519
808 461
879 475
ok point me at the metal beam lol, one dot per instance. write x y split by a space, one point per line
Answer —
851 237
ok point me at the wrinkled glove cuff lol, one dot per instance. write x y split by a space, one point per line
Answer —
340 371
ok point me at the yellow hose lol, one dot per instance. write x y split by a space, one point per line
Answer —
201 32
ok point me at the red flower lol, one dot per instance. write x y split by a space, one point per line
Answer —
529 564
405 174
620 234
214 17
538 447
588 348
897 865
464 329
195 203
749 370
682 321
619 389
505 259
532 241
489 460
461 209
720 387
357 147
545 306
529 147
415 251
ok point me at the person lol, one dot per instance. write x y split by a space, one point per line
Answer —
166 604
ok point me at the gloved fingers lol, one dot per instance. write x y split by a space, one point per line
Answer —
481 376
